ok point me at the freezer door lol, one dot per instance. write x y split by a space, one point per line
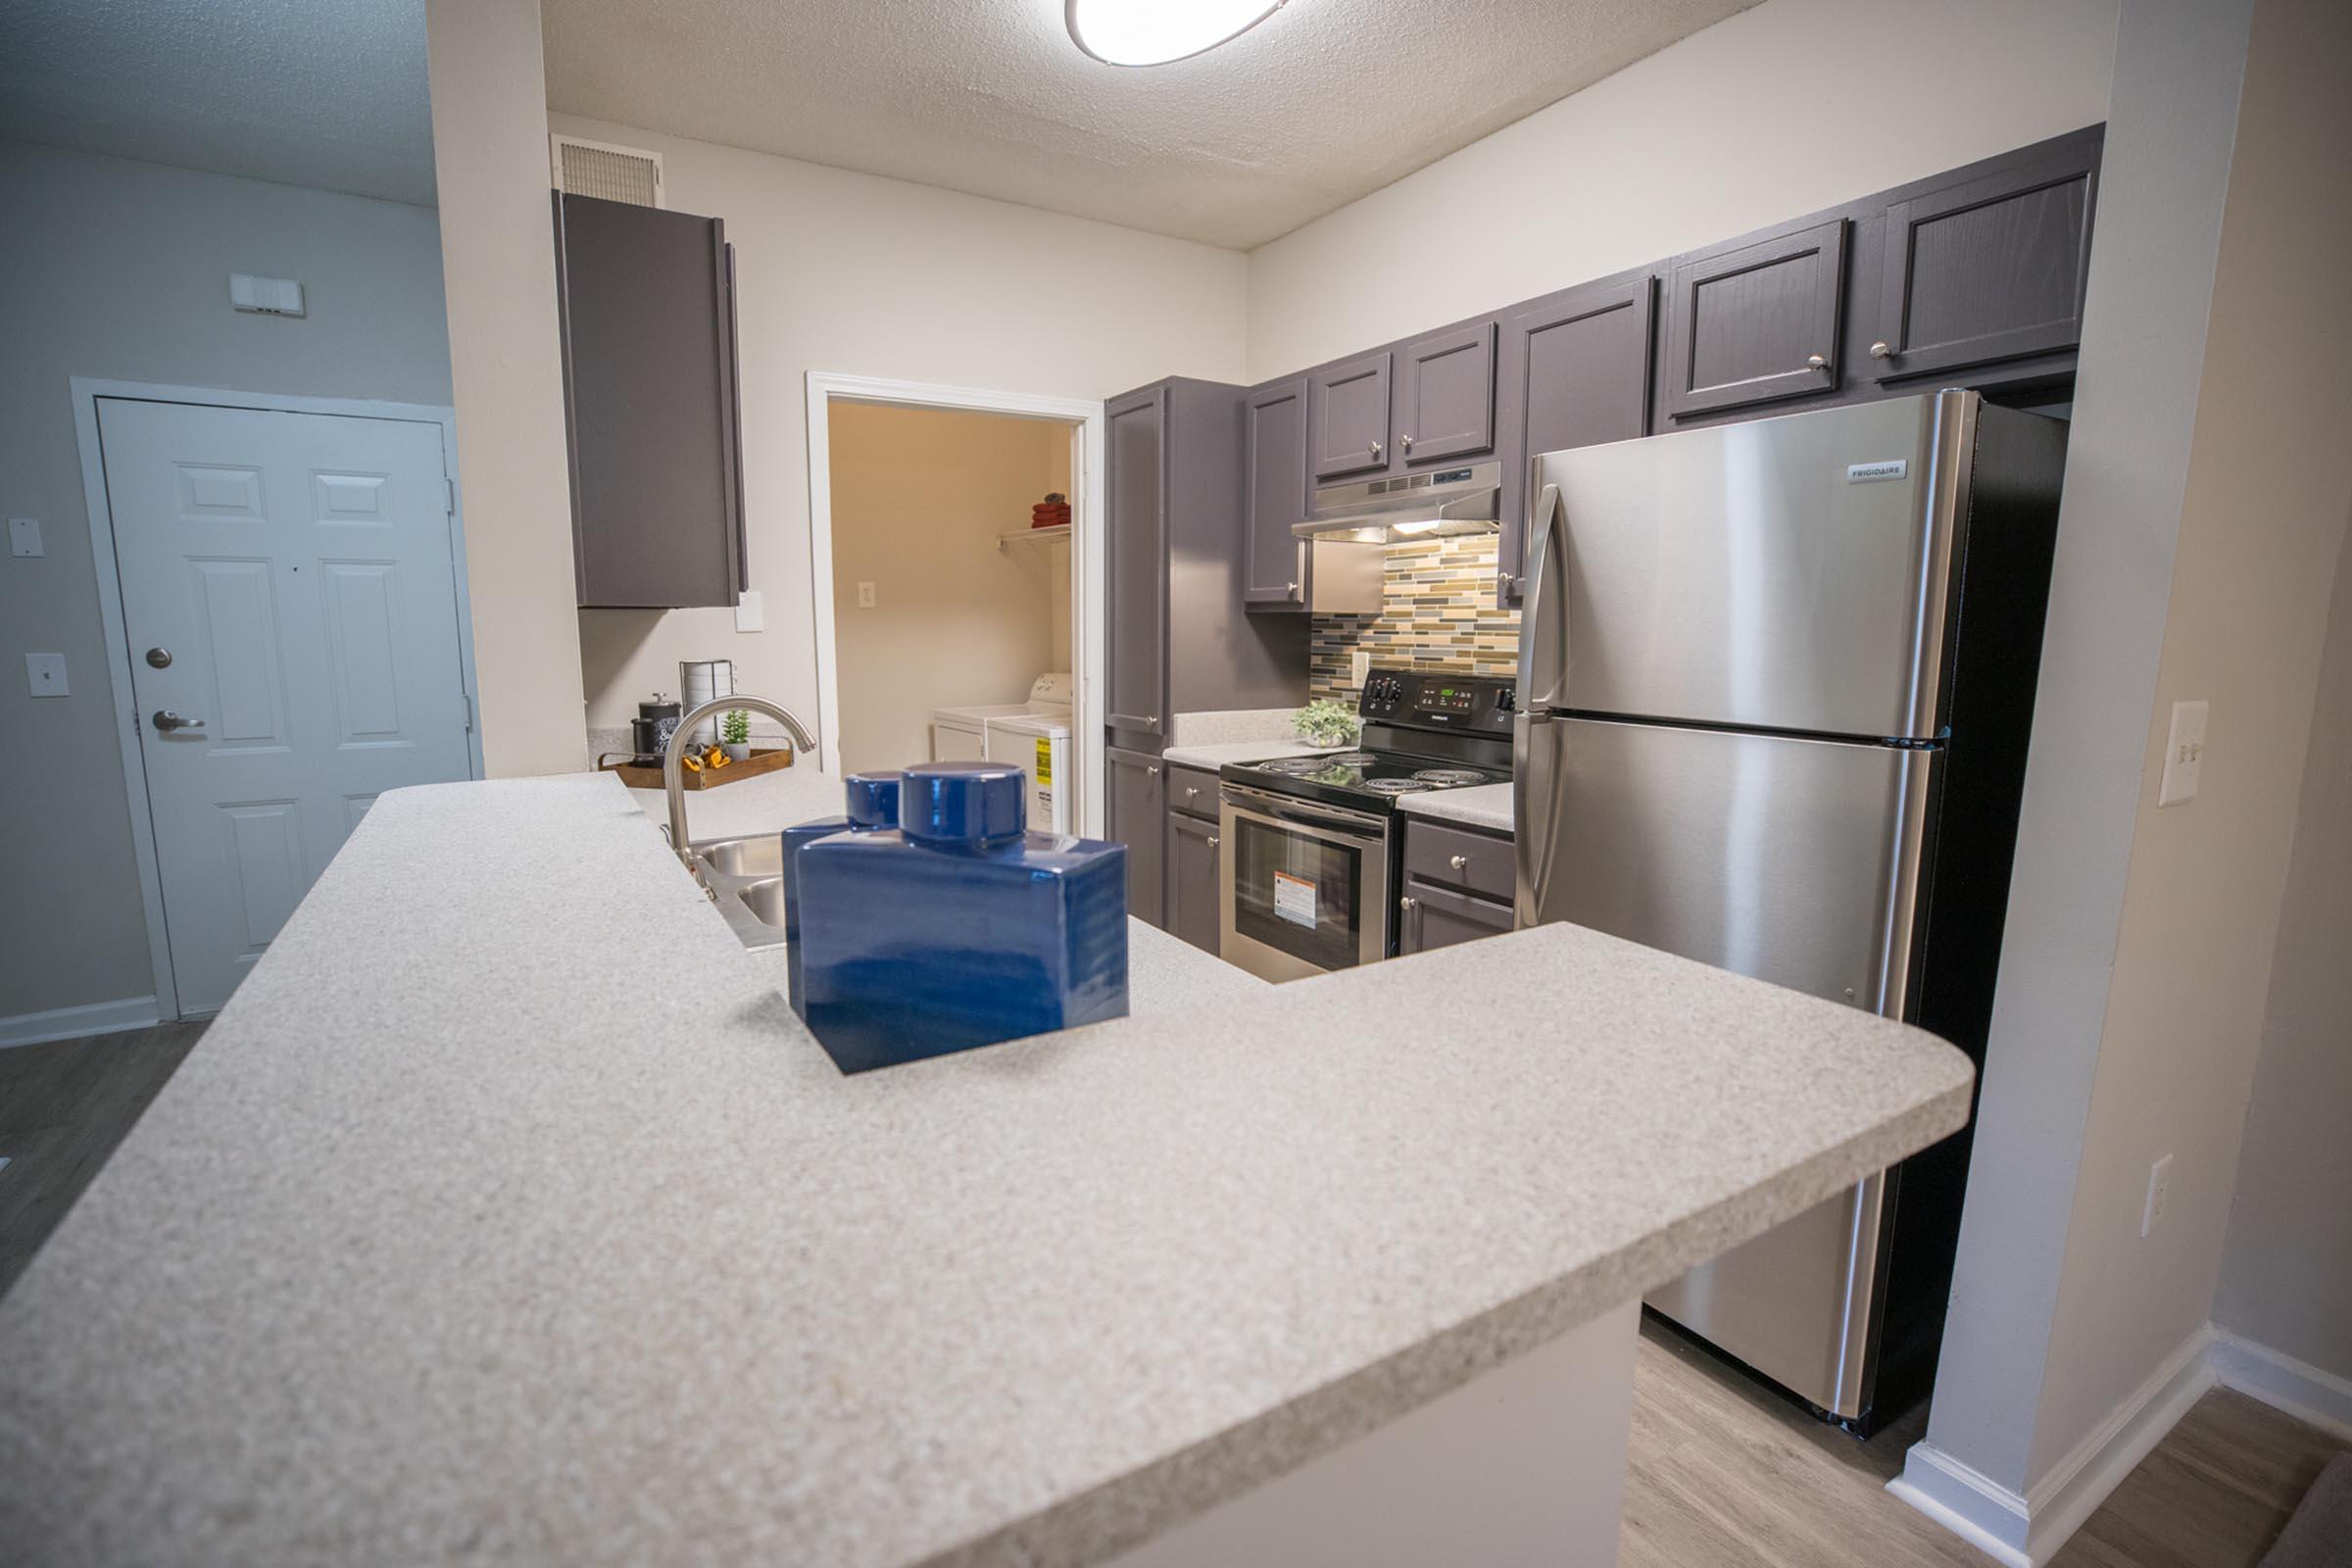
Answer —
1785 574
1796 861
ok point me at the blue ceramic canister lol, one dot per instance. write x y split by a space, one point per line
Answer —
872 802
960 929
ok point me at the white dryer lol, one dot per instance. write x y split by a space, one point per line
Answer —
1040 743
960 734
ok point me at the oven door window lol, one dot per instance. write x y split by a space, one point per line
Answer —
1296 893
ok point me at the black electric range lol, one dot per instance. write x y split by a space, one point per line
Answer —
1312 847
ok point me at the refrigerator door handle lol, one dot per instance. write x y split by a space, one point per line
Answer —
1544 622
1535 806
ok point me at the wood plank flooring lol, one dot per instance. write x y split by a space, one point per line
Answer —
1721 1473
64 1106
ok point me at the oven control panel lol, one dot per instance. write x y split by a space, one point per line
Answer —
1433 700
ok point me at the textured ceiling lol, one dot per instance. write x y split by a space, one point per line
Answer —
1321 103
326 94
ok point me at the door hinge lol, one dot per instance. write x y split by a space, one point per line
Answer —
449 496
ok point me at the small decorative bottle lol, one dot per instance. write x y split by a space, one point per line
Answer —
960 929
872 802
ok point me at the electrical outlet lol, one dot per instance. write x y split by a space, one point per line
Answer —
1360 662
45 674
750 614
2183 750
2160 1192
865 596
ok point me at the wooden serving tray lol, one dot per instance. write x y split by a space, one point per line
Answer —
751 767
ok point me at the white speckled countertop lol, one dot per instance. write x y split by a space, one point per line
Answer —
1481 806
506 1214
1218 754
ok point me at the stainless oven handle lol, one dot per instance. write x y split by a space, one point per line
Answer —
1329 819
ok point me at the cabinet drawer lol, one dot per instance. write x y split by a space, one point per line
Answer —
1454 858
1432 916
1191 791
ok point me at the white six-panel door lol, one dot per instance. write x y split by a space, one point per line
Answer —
290 593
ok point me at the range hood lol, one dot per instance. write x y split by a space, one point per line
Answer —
1438 505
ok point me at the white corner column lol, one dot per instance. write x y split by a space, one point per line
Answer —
490 157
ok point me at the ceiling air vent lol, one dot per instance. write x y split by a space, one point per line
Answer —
610 173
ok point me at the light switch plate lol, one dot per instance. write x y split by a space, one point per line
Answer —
1362 666
750 615
23 536
45 674
2183 751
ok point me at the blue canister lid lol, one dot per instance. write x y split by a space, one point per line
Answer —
873 799
963 803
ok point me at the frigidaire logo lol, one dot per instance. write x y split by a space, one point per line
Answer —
1864 472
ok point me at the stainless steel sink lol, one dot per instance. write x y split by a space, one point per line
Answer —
746 878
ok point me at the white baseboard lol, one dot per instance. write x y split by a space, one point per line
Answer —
2305 1391
64 1023
2026 1531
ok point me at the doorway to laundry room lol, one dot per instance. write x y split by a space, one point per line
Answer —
956 610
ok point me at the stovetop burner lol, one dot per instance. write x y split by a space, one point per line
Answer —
1295 767
1348 759
1451 778
1396 786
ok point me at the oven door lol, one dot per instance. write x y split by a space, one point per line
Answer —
1302 888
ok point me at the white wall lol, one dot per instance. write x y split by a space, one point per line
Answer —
120 269
1791 106
2286 1273
919 497
851 273
514 463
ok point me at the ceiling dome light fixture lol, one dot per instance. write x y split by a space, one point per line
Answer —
1153 33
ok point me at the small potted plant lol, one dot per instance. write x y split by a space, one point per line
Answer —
735 735
1325 722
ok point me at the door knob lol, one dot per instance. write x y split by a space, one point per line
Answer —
1816 361
1407 442
1375 451
168 721
1881 351
1460 862
1212 841
1407 902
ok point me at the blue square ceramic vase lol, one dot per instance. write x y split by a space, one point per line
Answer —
872 802
959 929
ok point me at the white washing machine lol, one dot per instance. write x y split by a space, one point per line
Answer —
1040 744
960 734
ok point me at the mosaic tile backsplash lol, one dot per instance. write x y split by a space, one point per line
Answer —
1437 612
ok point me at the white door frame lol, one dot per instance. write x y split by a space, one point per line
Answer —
87 390
1085 417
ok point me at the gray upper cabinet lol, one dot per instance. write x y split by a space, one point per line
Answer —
1274 563
1135 481
1445 403
1135 813
645 315
1347 417
1988 269
1575 372
1755 320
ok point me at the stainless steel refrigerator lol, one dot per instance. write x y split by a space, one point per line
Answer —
1776 683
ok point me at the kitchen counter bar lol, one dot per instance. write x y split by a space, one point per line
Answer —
1479 806
506 1212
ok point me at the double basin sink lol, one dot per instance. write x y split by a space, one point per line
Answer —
746 878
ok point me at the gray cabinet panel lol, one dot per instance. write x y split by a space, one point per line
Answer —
1431 916
1274 561
646 317
1347 417
1988 269
1135 481
1191 791
1446 404
1575 372
1468 862
1756 322
1134 813
1192 880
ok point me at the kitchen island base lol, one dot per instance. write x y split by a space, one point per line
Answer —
1522 1465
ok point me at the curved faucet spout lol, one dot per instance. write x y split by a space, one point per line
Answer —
673 777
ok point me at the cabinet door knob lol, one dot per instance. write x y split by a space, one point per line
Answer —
1882 349
1152 768
1407 442
1376 451
1816 361
1460 862
1407 904
1191 790
1293 590
1212 841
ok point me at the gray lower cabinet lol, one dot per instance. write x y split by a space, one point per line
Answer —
1347 417
1274 561
1575 373
1445 396
1435 917
645 315
1756 322
1134 812
1988 267
1192 879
